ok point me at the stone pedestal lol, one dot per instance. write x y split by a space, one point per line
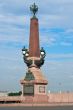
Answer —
34 90
35 86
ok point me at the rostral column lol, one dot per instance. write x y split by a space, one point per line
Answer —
34 83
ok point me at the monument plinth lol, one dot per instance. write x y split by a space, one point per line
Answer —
34 83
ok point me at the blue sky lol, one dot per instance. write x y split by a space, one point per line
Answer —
56 36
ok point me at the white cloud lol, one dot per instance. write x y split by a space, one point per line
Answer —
12 28
69 30
66 43
48 40
49 21
71 76
60 56
60 1
8 59
59 72
14 19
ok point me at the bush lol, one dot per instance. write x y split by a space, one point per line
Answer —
15 93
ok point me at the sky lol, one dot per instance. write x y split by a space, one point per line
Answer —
56 36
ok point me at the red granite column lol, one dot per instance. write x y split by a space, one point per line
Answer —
34 50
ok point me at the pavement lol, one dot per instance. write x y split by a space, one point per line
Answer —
70 107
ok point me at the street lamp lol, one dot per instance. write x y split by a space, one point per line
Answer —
43 53
25 52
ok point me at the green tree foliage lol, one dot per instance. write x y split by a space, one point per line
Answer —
15 93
